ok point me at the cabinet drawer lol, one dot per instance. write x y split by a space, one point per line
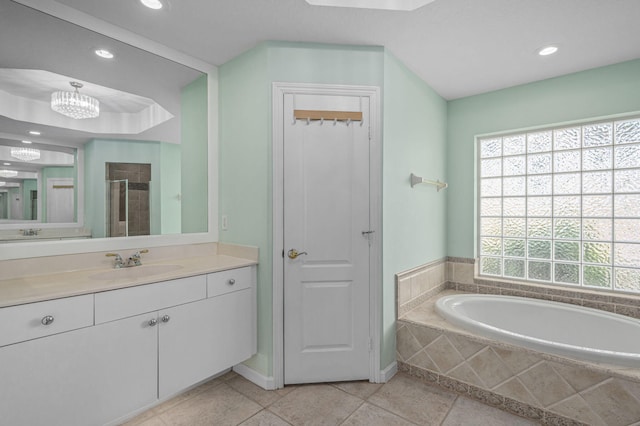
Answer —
227 281
127 302
33 320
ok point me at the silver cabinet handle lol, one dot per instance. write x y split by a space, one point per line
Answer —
231 281
166 318
47 320
152 322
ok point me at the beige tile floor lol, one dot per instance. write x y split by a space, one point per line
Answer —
404 400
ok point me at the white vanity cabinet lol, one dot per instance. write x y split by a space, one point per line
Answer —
80 377
117 352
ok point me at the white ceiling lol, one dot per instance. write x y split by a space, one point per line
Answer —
459 47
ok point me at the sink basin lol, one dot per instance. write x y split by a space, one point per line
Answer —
134 272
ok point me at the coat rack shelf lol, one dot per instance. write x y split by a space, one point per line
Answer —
315 115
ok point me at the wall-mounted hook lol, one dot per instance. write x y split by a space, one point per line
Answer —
348 122
308 121
335 121
321 121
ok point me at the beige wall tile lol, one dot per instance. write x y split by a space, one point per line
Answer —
465 346
424 335
406 345
576 407
514 389
422 360
464 373
444 354
489 367
613 403
517 360
545 384
579 378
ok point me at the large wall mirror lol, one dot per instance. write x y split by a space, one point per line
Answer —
96 147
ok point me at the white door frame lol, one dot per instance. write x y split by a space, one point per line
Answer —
279 90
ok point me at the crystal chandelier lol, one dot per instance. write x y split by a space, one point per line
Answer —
25 154
8 173
75 105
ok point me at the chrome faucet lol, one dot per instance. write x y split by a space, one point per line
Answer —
119 262
136 258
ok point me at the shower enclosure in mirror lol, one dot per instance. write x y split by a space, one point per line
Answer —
71 121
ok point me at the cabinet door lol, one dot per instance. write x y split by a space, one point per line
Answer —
235 331
84 377
186 348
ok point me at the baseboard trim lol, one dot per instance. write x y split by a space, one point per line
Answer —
388 372
265 382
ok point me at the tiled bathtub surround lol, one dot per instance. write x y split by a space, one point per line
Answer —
419 284
460 276
553 390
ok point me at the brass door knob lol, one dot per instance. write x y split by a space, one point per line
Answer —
293 253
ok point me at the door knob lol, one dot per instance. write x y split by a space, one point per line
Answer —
293 253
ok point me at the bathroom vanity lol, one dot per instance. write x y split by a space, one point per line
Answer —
122 340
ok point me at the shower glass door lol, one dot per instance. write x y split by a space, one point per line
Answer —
117 208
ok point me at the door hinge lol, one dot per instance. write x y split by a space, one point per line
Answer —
370 344
283 253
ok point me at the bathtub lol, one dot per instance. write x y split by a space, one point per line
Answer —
552 327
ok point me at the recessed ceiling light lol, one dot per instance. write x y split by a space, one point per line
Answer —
103 53
34 132
152 4
27 142
7 164
405 5
547 50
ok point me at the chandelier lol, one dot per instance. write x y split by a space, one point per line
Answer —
75 105
25 154
8 173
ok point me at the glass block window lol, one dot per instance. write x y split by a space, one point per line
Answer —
562 205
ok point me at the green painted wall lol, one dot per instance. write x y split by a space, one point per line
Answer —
97 153
245 175
411 143
414 219
194 160
171 186
594 93
57 172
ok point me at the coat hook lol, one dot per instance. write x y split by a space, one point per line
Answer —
308 120
335 120
348 122
321 121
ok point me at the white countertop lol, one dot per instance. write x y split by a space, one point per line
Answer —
36 288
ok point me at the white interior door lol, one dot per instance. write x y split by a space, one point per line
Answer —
60 200
326 217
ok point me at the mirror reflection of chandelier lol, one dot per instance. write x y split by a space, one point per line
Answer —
8 173
25 154
75 105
